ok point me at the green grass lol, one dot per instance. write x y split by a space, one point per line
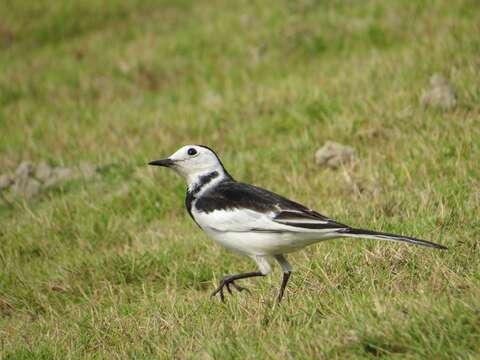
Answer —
113 267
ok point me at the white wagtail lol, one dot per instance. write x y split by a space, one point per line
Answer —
253 221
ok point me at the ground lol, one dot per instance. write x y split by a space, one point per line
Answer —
111 266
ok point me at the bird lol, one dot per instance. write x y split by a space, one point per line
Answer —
252 221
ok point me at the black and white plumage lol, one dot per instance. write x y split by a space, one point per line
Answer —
253 221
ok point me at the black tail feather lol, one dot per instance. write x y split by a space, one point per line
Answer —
387 236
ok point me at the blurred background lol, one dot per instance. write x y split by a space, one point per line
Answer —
365 110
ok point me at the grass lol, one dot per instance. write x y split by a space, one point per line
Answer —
112 267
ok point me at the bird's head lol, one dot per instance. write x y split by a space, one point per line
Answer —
192 161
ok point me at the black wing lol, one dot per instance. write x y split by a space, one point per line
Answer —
235 195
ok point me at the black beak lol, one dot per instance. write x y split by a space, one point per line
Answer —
164 162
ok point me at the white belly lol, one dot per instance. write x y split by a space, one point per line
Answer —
250 243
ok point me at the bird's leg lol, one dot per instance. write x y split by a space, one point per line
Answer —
287 271
230 280
286 276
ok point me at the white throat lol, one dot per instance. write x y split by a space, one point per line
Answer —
192 177
202 182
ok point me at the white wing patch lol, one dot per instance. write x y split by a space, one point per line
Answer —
245 220
306 219
299 218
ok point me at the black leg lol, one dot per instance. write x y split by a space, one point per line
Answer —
286 276
230 280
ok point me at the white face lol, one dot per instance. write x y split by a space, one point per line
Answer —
192 161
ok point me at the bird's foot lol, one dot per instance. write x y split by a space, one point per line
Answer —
227 282
236 287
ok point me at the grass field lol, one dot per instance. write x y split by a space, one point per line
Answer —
112 266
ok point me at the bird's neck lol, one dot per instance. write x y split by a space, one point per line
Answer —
204 181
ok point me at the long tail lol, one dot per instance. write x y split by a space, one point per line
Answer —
368 234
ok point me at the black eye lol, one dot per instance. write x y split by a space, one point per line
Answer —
191 151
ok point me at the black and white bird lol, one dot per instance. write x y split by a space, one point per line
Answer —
252 221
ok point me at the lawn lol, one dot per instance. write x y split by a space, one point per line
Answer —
111 266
